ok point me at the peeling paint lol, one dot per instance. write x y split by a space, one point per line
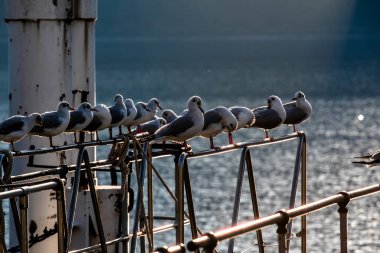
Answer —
32 226
55 2
62 97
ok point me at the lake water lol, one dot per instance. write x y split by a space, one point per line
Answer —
339 93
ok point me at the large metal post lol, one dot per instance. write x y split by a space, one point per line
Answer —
51 51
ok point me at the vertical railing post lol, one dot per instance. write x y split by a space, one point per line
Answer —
23 205
303 197
60 219
190 204
179 193
150 198
343 210
293 193
281 231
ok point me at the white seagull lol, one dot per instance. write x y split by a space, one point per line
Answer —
80 118
145 112
216 121
101 120
245 118
118 113
17 127
131 113
185 126
270 116
298 110
54 123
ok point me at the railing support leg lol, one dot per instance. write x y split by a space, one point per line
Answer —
303 197
60 220
150 199
190 204
24 203
343 210
281 231
180 163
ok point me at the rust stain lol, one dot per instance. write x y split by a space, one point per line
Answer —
10 96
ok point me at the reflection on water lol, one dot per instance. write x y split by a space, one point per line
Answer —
334 134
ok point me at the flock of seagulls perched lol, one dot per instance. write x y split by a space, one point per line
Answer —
192 122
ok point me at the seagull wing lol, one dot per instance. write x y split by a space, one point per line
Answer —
12 124
176 127
294 115
211 117
76 117
266 118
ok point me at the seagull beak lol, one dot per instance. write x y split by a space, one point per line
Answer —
294 98
72 108
200 108
95 110
269 104
159 107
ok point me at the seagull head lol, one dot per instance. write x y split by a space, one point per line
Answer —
65 106
86 107
274 102
161 122
153 104
194 103
118 99
128 102
167 114
229 121
36 118
299 96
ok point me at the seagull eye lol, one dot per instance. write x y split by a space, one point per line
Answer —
272 99
194 100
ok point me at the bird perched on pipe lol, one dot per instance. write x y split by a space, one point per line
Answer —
151 126
17 127
169 115
216 121
118 113
297 111
101 120
270 116
54 122
185 126
131 113
80 118
244 116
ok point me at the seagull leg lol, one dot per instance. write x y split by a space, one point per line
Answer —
51 141
13 146
75 138
120 130
294 128
231 140
212 146
110 130
91 137
129 129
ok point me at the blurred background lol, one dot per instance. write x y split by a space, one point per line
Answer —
238 53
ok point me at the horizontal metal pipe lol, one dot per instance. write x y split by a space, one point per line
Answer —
28 189
241 145
96 248
250 226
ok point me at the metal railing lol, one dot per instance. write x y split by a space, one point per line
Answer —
127 151
282 218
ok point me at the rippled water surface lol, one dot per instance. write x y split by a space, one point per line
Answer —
338 95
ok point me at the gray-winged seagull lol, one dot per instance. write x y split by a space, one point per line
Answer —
118 113
270 116
298 110
131 113
54 123
101 120
17 127
245 118
151 126
185 126
216 121
80 118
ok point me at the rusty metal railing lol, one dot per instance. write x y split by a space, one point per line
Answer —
281 218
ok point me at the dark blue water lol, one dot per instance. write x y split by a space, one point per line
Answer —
338 94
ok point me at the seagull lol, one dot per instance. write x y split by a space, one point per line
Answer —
217 120
245 118
118 113
270 116
17 127
145 112
131 113
101 120
80 118
185 126
298 110
54 123
369 160
151 126
169 115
